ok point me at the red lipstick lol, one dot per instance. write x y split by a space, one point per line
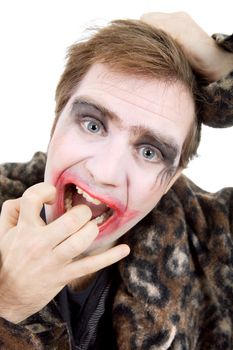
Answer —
121 215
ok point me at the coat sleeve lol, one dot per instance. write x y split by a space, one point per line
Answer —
15 178
44 330
217 108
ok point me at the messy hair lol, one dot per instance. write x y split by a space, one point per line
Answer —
136 48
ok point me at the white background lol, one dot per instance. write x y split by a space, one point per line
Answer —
34 35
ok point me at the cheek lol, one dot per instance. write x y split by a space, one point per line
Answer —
63 151
152 200
146 194
69 146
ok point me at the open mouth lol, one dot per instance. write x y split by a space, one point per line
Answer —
74 195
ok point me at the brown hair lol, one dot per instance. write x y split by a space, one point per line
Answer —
132 47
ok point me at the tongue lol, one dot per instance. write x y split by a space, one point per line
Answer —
97 210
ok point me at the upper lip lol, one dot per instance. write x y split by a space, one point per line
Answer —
103 199
112 203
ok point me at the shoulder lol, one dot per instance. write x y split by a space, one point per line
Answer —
217 108
15 178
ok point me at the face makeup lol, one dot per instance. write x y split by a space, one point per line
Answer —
116 148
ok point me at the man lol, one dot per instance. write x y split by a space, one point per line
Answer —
127 122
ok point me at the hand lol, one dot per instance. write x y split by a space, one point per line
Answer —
37 259
204 55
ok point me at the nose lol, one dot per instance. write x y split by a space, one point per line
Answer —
108 166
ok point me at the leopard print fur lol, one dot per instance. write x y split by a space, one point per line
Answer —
180 273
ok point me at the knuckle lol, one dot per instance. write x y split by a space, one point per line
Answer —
51 189
67 252
35 192
8 205
71 249
47 185
61 256
71 219
77 217
31 195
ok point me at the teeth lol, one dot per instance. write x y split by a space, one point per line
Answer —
68 205
88 197
99 219
68 201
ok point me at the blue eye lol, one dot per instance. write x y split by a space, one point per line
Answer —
92 126
150 153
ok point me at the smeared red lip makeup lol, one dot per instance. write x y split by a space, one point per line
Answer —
108 213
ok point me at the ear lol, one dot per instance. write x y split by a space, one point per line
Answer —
173 179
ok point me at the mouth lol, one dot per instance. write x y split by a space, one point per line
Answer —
109 212
101 211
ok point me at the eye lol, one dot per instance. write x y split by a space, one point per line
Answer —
93 126
150 153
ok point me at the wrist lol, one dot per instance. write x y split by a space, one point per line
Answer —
11 315
223 65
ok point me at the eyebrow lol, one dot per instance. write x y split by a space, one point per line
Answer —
166 145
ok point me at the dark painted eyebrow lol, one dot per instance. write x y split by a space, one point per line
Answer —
97 108
166 145
168 148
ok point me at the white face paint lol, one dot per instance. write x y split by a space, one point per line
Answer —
119 138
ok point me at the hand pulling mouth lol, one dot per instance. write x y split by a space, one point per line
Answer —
74 195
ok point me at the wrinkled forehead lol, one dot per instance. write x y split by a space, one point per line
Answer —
164 108
168 99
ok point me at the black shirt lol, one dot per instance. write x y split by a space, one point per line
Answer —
88 314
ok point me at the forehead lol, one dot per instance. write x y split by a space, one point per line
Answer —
164 107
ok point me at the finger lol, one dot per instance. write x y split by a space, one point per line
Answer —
76 243
33 200
94 263
68 223
9 214
155 18
153 15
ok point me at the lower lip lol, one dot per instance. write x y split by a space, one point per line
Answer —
113 223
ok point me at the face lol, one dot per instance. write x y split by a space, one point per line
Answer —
116 148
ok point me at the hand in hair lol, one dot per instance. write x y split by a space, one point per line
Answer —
204 55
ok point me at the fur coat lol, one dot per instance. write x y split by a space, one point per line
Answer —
176 289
